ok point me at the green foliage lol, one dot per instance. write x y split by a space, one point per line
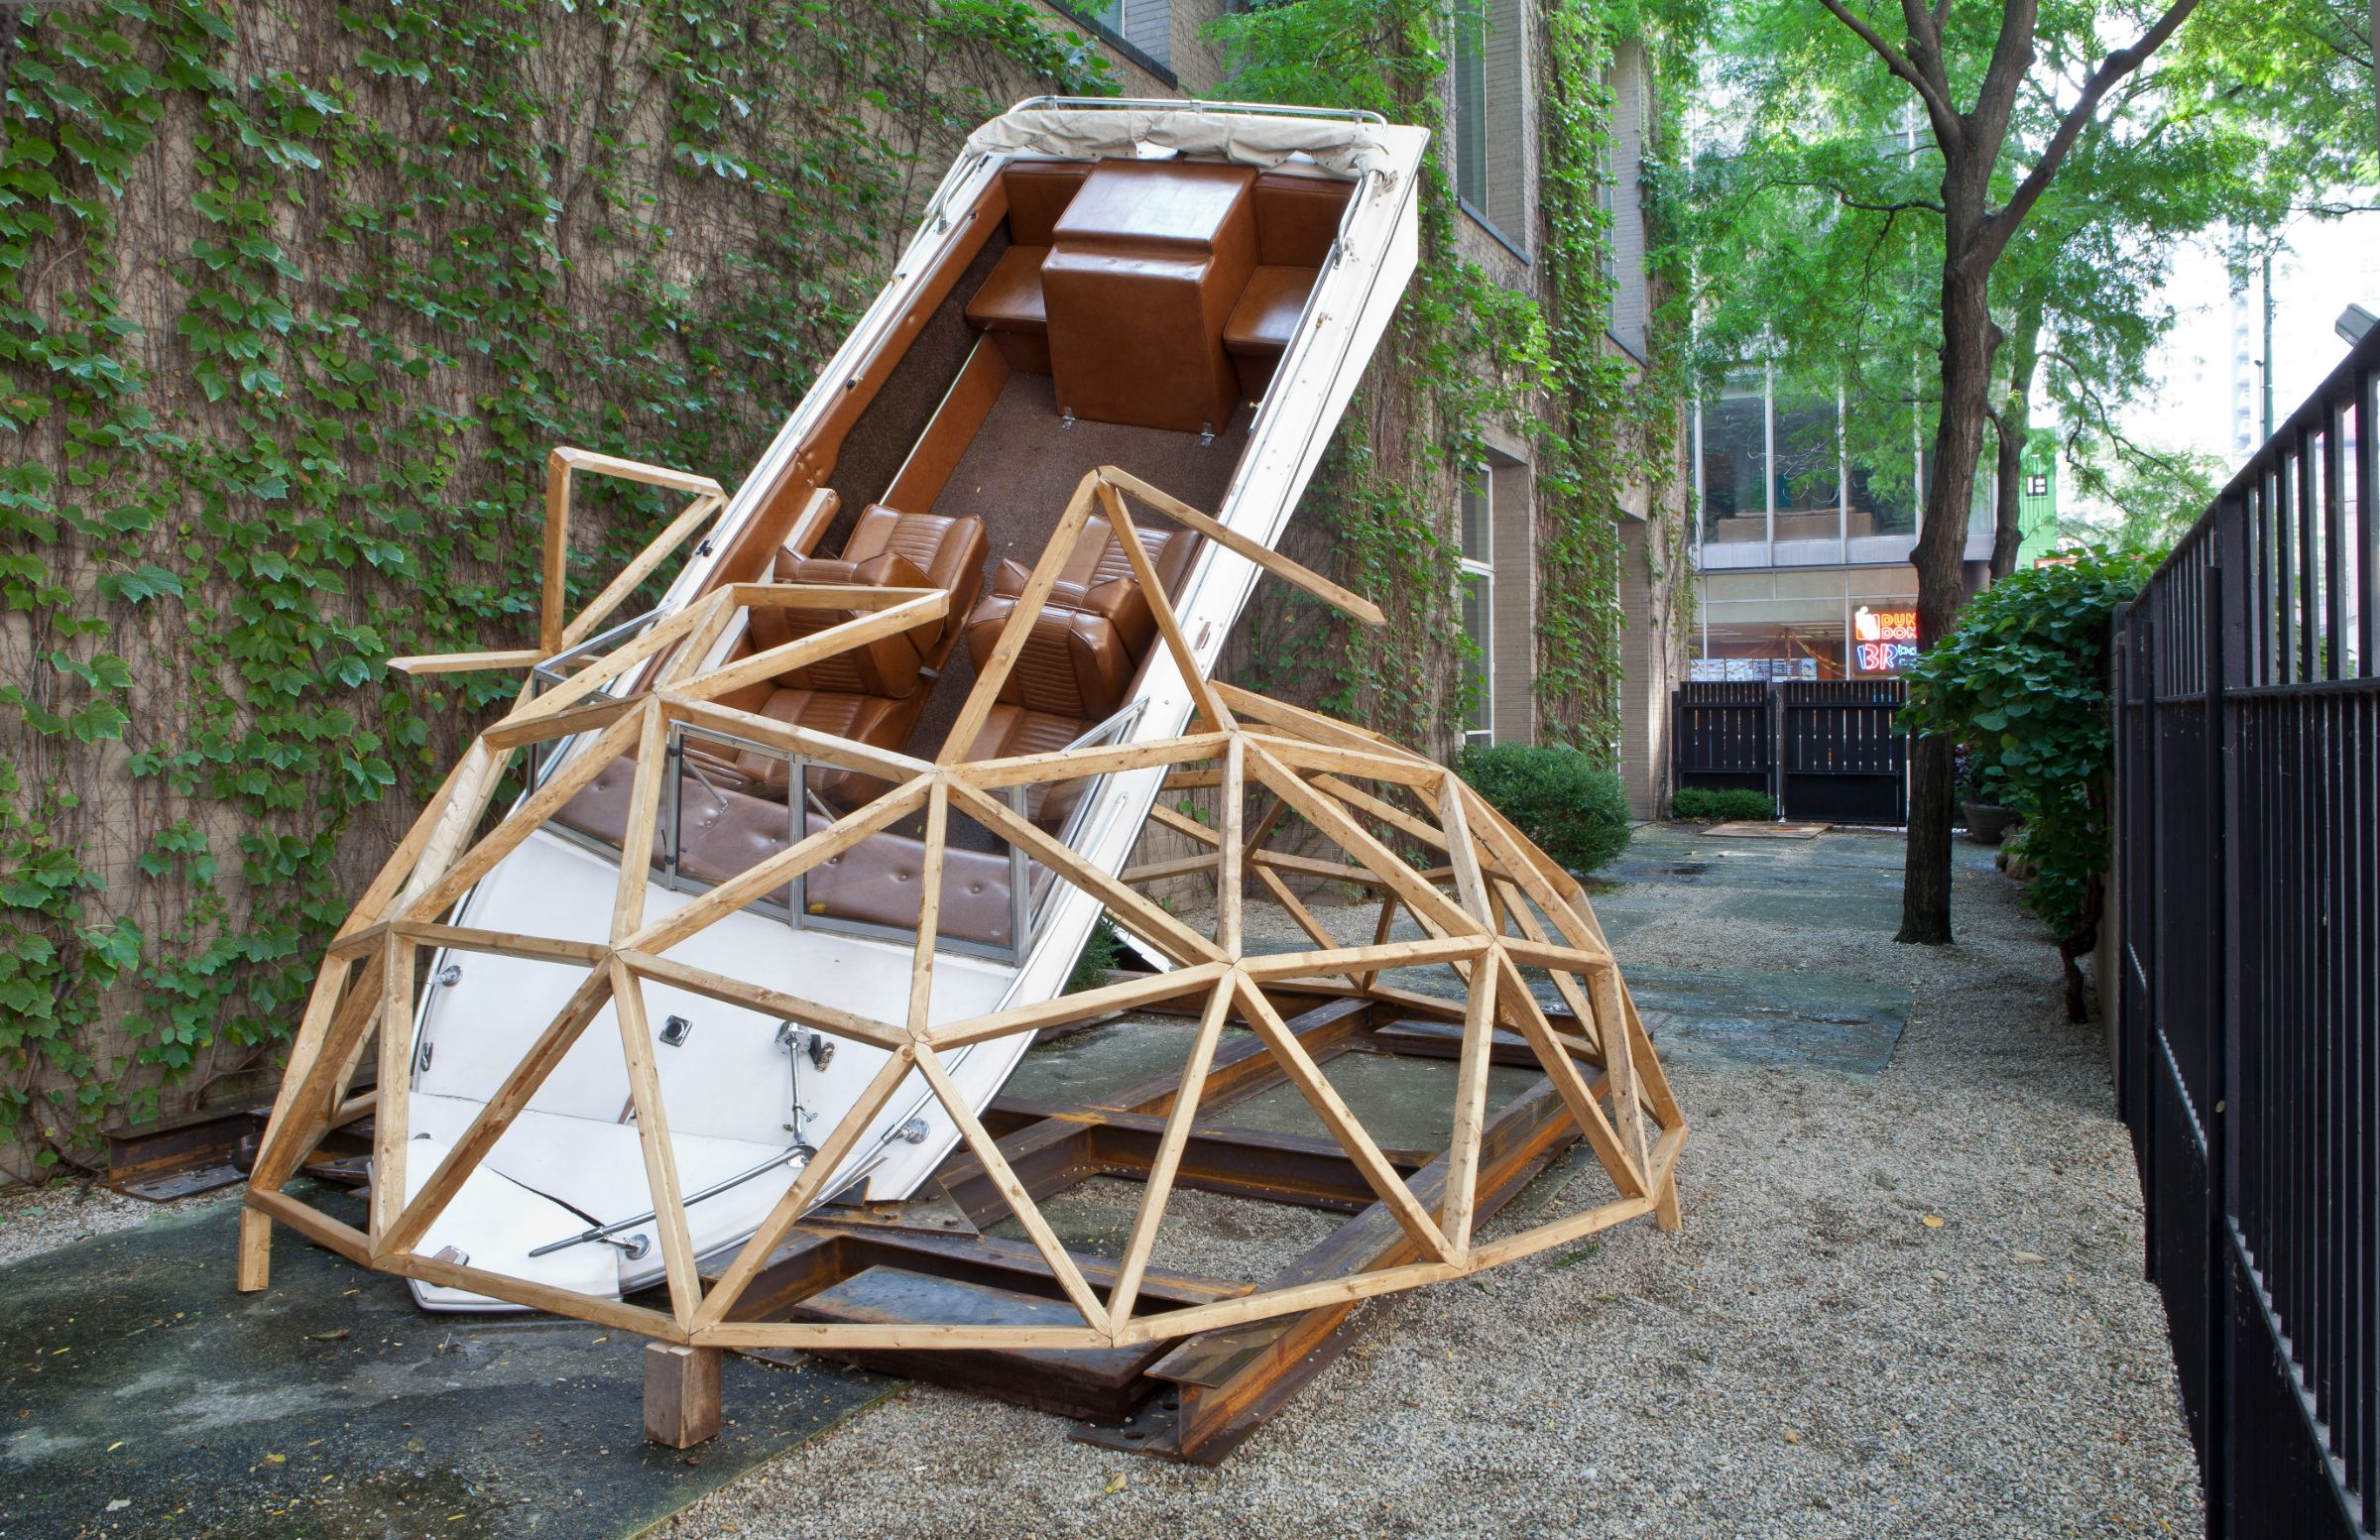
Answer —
1704 806
291 308
2022 683
2145 503
1576 810
1100 952
1471 354
1820 232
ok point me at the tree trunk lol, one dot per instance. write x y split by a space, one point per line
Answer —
2015 428
1969 340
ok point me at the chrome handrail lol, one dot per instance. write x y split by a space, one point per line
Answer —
1200 104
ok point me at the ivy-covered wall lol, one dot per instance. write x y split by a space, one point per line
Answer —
1473 358
295 296
294 299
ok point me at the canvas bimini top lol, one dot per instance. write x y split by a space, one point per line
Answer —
1177 297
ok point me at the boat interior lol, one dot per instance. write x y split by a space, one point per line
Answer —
1127 313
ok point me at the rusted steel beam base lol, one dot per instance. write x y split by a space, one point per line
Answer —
1229 1382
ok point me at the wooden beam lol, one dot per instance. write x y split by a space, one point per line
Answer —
1345 1126
840 752
388 1125
764 877
656 551
806 1189
1003 658
1170 935
1160 606
531 815
421 663
1233 540
995 1166
1471 1115
929 906
1143 1239
924 606
681 1394
1099 760
538 1062
1149 991
644 811
653 1137
760 998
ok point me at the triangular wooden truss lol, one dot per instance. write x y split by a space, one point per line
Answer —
1496 909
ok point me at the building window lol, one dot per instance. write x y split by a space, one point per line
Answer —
1488 140
1734 463
1144 28
1808 474
2036 485
1479 603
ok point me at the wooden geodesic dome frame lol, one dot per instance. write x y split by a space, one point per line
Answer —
1495 910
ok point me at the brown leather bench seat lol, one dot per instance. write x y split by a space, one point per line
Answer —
725 832
1158 294
1009 304
1264 322
1078 662
874 693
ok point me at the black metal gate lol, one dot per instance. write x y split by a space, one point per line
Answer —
2247 861
1721 738
1822 749
1842 760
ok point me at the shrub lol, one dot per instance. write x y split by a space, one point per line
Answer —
1575 809
2022 682
1100 952
1702 805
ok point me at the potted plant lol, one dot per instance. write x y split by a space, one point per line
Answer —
1987 820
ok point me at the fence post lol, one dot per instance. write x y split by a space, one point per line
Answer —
1776 744
2222 1165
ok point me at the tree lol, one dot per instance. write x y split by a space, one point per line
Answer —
1982 140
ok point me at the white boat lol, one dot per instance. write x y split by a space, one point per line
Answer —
1185 292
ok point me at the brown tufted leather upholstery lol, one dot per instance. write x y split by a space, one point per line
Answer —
876 720
1098 577
1145 265
948 552
876 880
1011 731
1297 217
886 667
1073 664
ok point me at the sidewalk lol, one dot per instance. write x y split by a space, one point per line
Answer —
1811 1356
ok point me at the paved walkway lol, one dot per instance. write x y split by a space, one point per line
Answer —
1906 1301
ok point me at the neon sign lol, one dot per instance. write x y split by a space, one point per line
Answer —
1887 639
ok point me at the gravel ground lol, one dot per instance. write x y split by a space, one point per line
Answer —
34 1219
1811 1356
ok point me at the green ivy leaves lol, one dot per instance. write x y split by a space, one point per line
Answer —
2022 683
376 279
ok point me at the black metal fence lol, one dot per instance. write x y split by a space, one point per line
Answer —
1822 749
1723 737
2247 826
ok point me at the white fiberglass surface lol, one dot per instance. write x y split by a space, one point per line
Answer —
730 1086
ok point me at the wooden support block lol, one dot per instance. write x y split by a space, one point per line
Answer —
681 1394
256 1252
